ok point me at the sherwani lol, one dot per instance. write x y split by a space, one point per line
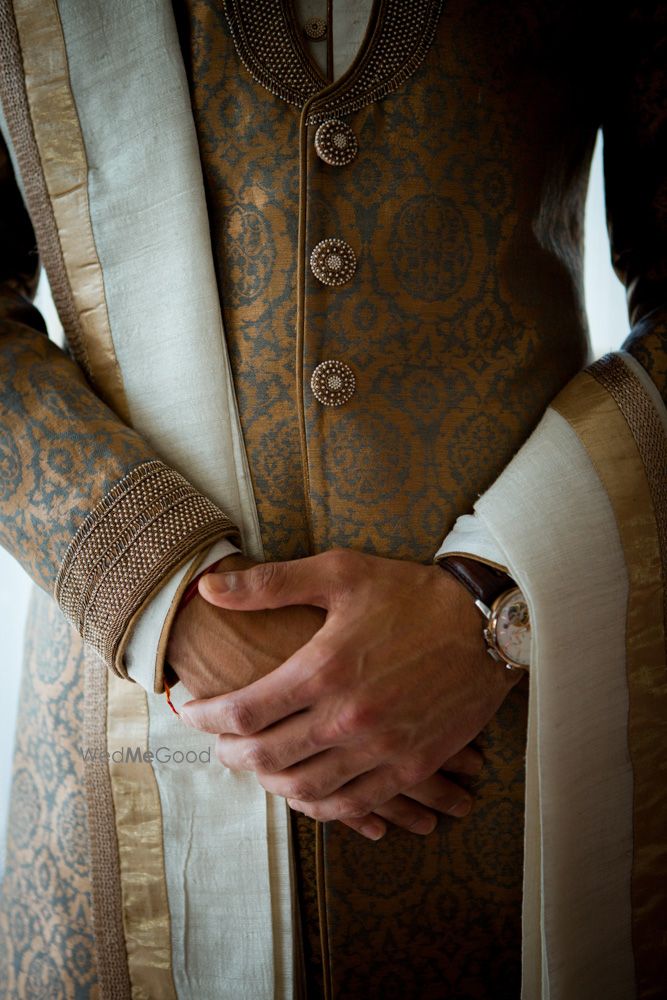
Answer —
270 345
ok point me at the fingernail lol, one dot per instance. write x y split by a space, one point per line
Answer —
461 808
372 830
185 717
220 583
425 826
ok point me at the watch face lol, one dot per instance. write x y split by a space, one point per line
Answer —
510 628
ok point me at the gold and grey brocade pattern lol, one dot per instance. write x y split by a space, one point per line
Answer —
47 947
134 537
437 917
454 362
61 448
254 223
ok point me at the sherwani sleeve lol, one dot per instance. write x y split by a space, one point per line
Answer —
633 114
579 517
86 506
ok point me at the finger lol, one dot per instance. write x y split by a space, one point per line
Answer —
355 799
442 795
271 584
370 826
326 772
402 811
466 761
317 777
372 790
289 688
409 815
274 749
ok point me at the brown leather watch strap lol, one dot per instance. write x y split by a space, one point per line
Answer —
484 582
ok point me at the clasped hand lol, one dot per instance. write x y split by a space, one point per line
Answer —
355 725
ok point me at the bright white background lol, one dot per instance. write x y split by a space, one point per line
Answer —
608 322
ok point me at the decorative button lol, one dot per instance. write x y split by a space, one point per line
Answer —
332 383
336 143
315 28
333 262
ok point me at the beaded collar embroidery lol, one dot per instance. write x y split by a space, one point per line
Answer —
399 36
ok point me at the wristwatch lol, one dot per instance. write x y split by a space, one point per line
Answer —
507 632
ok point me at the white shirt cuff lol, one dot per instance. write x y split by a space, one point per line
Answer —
469 537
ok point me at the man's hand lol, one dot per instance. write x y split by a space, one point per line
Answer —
213 651
395 681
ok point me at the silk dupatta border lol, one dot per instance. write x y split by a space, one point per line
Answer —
577 514
628 446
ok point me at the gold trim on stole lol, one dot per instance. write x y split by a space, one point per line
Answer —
140 844
593 413
113 976
65 166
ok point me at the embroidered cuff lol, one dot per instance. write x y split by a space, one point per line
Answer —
148 525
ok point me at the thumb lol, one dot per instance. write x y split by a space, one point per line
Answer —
268 585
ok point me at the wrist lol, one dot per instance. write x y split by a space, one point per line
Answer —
465 641
235 560
506 626
187 658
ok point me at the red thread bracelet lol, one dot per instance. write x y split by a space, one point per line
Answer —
167 692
